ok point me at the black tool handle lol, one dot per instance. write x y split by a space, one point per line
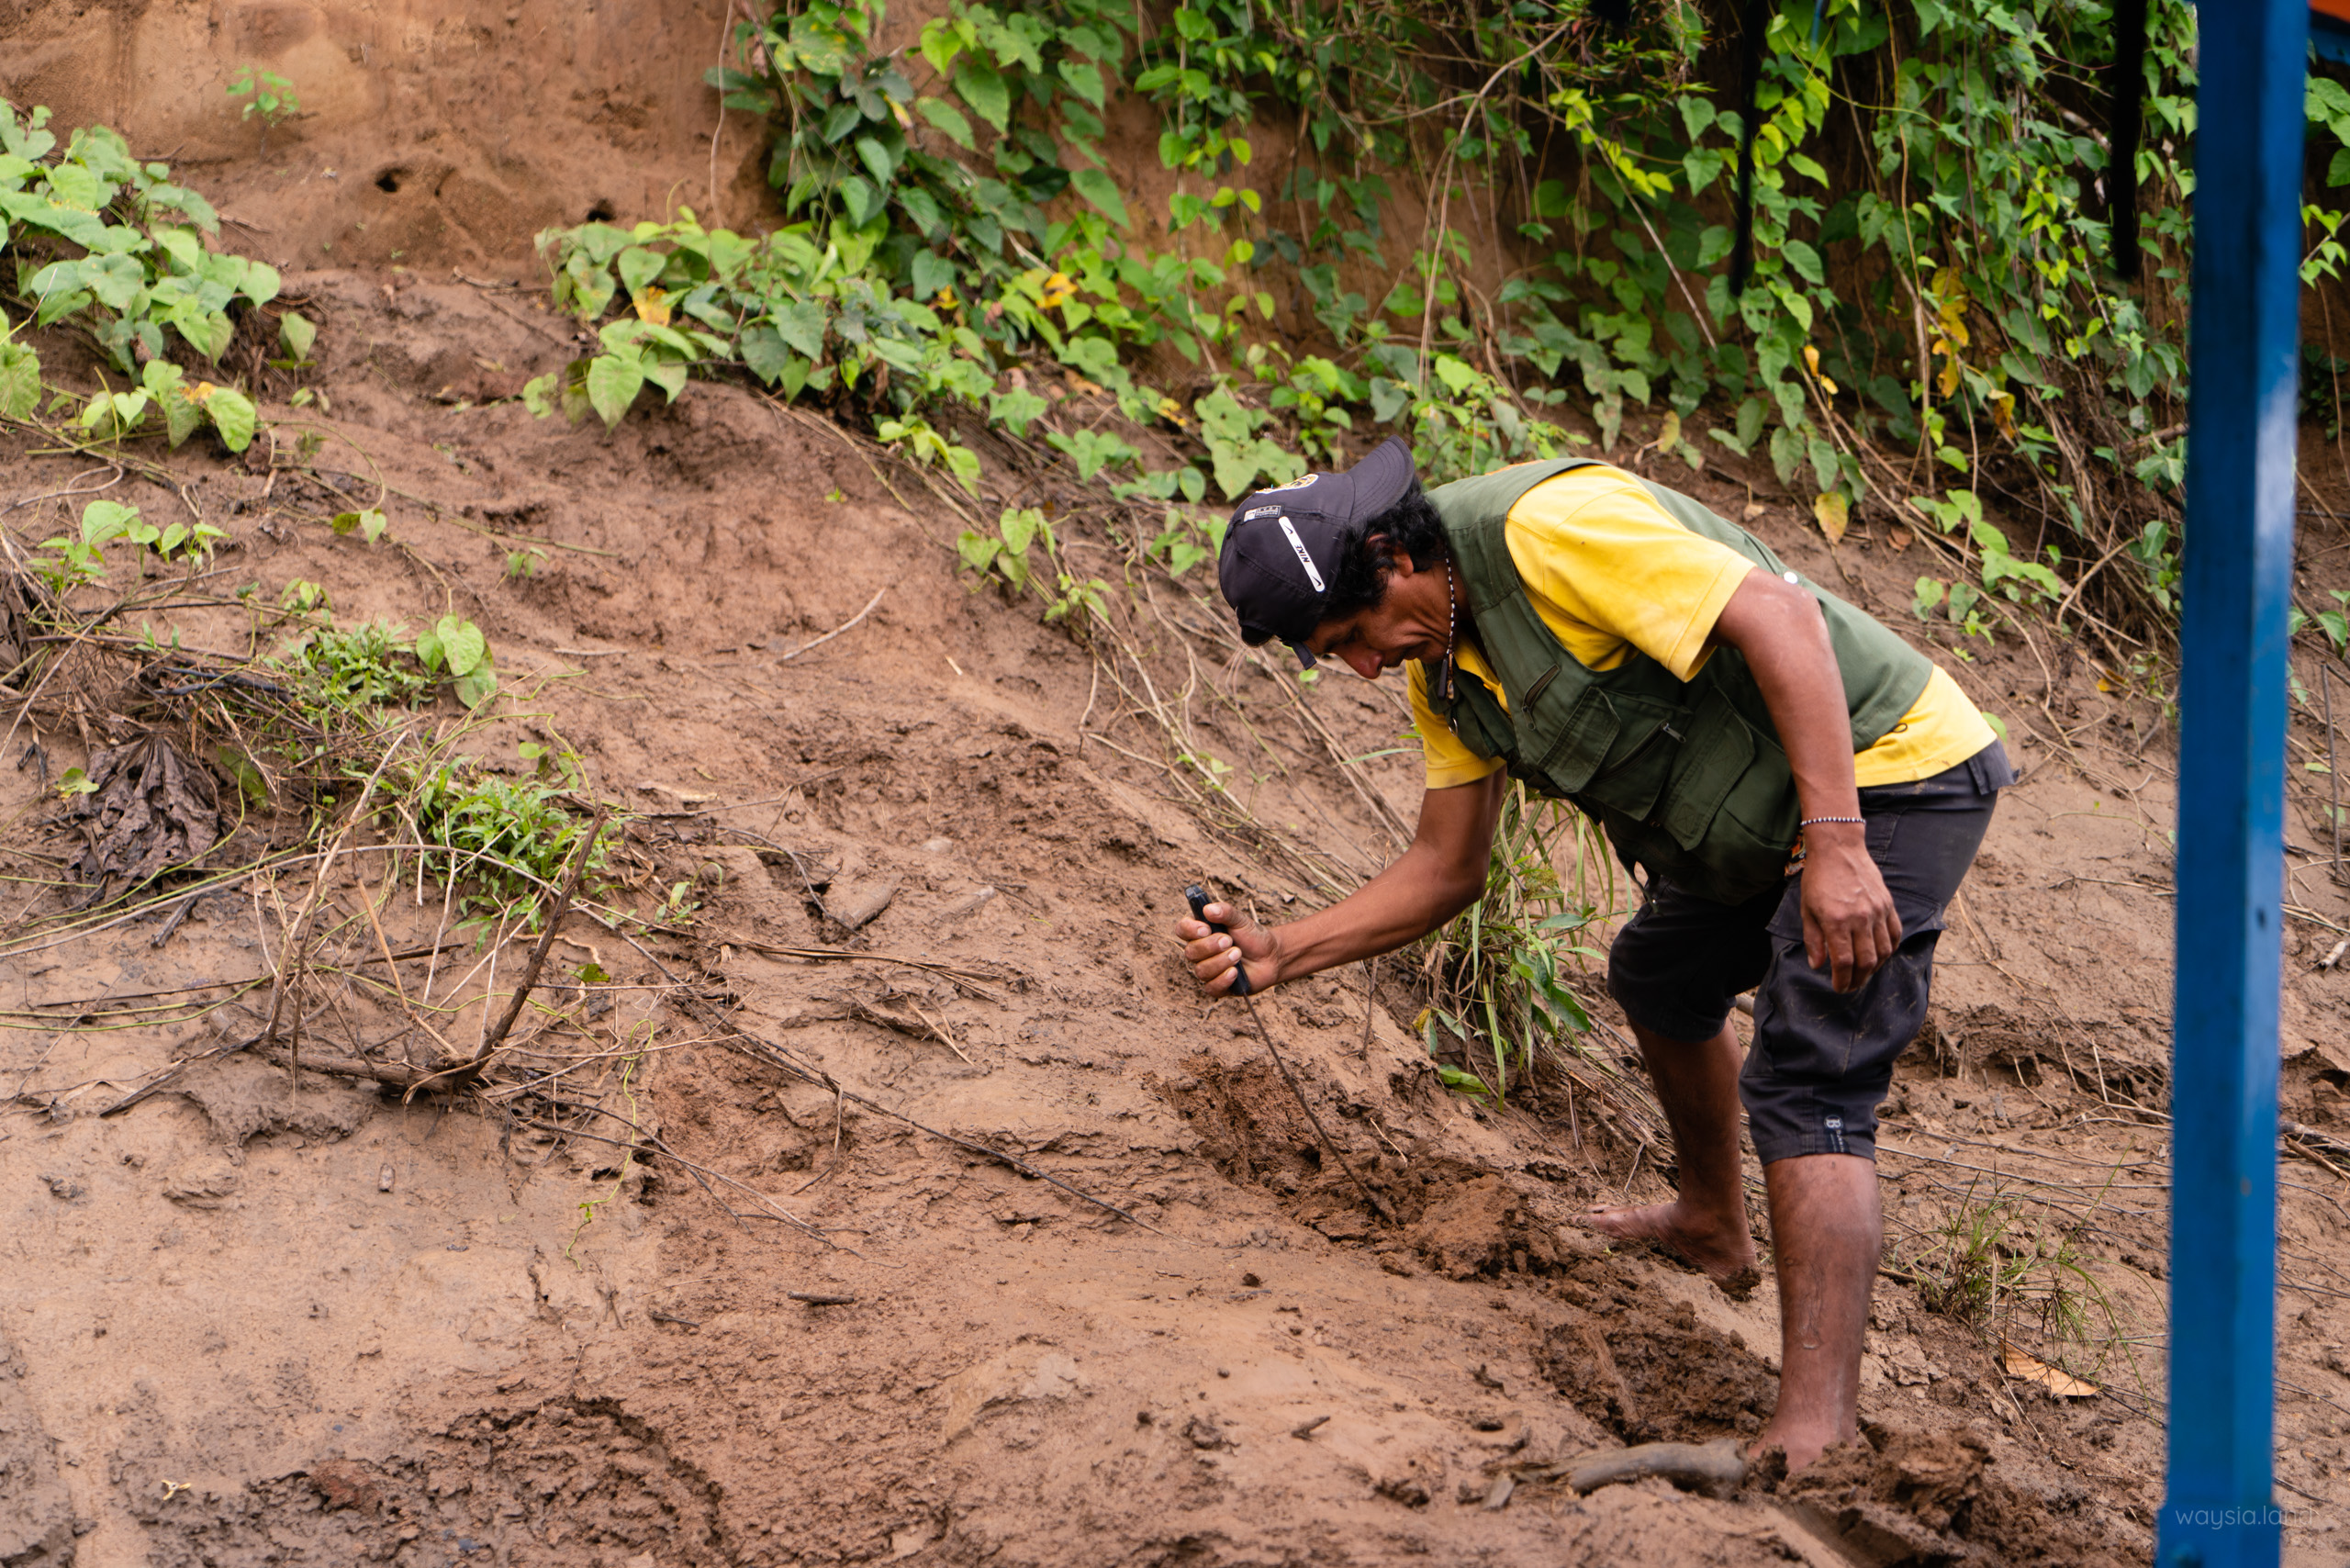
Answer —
1197 896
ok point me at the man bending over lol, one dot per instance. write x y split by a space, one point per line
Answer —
1800 791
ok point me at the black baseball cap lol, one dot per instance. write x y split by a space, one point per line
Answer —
1282 548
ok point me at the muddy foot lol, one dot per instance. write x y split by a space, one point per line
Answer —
1726 1254
1779 1457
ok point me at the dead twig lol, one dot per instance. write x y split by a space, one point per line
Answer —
2332 765
1715 1468
963 978
836 631
497 1036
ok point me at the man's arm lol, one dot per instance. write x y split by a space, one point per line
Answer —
1441 874
1849 924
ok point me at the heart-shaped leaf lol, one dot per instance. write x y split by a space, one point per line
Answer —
613 383
232 414
1102 191
462 646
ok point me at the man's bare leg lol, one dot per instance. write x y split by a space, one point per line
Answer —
1825 1229
1697 1086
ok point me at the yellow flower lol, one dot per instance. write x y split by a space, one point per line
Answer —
1059 291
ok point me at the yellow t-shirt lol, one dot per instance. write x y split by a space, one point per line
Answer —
1609 571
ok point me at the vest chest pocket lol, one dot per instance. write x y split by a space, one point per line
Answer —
1476 717
1646 749
1581 738
1719 751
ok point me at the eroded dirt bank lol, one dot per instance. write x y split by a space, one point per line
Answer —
268 1316
431 133
249 1319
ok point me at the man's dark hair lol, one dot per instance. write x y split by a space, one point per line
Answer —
1411 527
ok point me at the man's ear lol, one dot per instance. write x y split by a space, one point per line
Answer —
1394 563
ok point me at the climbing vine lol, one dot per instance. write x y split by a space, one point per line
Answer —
1502 231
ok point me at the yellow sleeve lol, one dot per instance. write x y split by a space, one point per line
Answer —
1608 571
1943 730
1448 761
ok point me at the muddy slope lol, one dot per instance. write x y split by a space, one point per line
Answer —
268 1317
261 1321
348 1320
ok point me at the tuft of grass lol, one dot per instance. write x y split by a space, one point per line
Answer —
509 841
340 672
2013 1276
1500 968
346 709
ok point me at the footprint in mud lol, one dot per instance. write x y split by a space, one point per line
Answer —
1652 1373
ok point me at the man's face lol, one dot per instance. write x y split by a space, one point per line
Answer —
1412 621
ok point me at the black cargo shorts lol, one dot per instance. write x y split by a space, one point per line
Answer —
1821 1060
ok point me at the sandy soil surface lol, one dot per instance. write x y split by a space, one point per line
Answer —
1108 1300
253 1318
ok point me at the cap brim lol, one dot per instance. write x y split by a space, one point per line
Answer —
1306 659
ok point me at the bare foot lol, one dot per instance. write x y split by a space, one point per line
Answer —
1726 1252
1801 1449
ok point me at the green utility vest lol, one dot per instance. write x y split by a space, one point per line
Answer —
1687 776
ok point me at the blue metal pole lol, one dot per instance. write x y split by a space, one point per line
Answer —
2218 1511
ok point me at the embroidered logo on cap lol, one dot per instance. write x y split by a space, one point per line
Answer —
1293 485
1303 558
1253 513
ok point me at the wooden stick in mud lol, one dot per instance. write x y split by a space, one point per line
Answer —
497 1036
1714 1468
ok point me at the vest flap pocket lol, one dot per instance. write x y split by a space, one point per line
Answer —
1720 748
1476 717
1581 739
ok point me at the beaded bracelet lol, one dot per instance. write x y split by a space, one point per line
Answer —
1807 822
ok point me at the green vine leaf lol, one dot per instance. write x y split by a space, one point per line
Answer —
1084 79
980 87
232 415
948 118
801 324
19 381
613 383
1102 191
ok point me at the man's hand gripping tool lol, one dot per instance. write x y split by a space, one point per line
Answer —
1198 898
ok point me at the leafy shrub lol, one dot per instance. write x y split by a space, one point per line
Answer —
97 237
269 98
1004 554
1942 291
81 555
